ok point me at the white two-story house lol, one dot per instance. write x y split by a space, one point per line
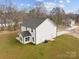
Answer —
36 30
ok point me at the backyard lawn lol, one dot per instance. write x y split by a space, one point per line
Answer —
64 47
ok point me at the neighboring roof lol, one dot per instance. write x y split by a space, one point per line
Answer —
25 33
33 22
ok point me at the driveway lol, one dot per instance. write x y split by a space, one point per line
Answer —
74 31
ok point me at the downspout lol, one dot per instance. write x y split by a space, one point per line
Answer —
35 35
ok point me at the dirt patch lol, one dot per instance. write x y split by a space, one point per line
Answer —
7 32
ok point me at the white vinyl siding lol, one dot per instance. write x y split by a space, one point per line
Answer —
21 39
23 28
45 31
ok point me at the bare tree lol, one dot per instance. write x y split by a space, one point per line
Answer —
56 15
39 10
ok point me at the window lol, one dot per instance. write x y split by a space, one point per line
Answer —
31 30
27 39
33 38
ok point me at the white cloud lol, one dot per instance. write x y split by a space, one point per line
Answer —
61 5
49 5
21 4
60 1
68 1
28 5
39 0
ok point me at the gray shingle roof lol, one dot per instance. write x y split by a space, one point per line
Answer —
33 22
25 33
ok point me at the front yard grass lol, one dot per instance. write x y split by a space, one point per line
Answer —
64 47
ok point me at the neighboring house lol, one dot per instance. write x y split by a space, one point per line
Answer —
71 22
6 23
37 30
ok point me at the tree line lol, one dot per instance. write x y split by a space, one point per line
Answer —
10 17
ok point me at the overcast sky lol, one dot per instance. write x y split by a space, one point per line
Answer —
67 5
